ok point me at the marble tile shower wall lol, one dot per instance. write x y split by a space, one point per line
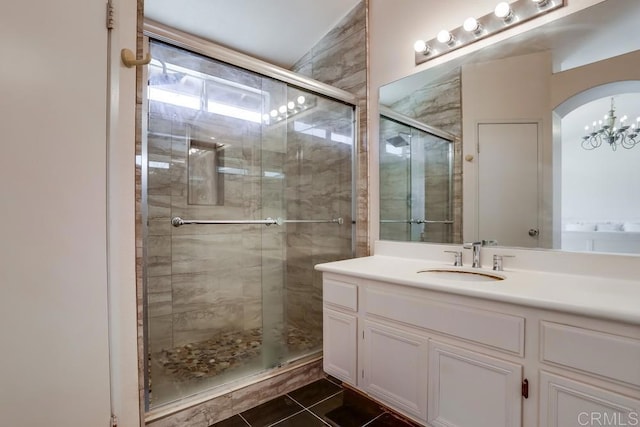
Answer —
439 104
437 191
203 280
340 59
318 187
394 185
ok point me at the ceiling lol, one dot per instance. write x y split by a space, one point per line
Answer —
277 31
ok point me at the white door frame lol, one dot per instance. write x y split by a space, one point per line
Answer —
121 251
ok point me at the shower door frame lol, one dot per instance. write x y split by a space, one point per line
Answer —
207 48
389 114
171 36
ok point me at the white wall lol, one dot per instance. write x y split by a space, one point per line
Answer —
396 25
599 185
522 83
54 307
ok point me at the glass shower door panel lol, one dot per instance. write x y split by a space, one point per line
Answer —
271 180
416 171
204 293
228 301
319 189
435 169
395 180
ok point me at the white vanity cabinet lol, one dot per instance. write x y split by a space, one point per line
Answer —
403 351
590 375
447 360
395 366
467 388
567 402
340 328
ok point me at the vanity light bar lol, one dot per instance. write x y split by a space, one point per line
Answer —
505 16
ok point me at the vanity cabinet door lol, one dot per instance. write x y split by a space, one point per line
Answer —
340 334
565 402
395 367
469 389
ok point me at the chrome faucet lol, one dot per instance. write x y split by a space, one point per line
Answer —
475 251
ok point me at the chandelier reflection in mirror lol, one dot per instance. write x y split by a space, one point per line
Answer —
611 131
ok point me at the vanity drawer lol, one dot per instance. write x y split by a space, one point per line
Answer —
341 294
497 330
594 352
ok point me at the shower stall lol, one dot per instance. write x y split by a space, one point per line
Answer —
247 183
416 180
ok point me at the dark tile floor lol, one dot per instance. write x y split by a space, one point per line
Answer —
322 403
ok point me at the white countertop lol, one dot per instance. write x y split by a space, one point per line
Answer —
602 297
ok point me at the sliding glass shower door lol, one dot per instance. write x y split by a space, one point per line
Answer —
416 183
248 185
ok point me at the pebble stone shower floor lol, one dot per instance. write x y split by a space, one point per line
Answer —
222 353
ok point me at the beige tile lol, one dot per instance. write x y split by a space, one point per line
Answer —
203 324
160 333
159 304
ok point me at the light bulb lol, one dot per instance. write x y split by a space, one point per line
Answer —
445 36
503 10
471 25
291 105
265 117
586 127
420 46
282 109
274 113
301 100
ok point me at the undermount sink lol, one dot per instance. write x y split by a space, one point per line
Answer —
466 275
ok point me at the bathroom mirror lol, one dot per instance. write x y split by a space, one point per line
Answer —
519 110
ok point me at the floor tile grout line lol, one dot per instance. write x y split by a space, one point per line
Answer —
290 416
306 408
245 421
318 402
321 420
333 382
370 421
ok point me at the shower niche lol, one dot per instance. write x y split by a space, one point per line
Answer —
205 158
229 295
